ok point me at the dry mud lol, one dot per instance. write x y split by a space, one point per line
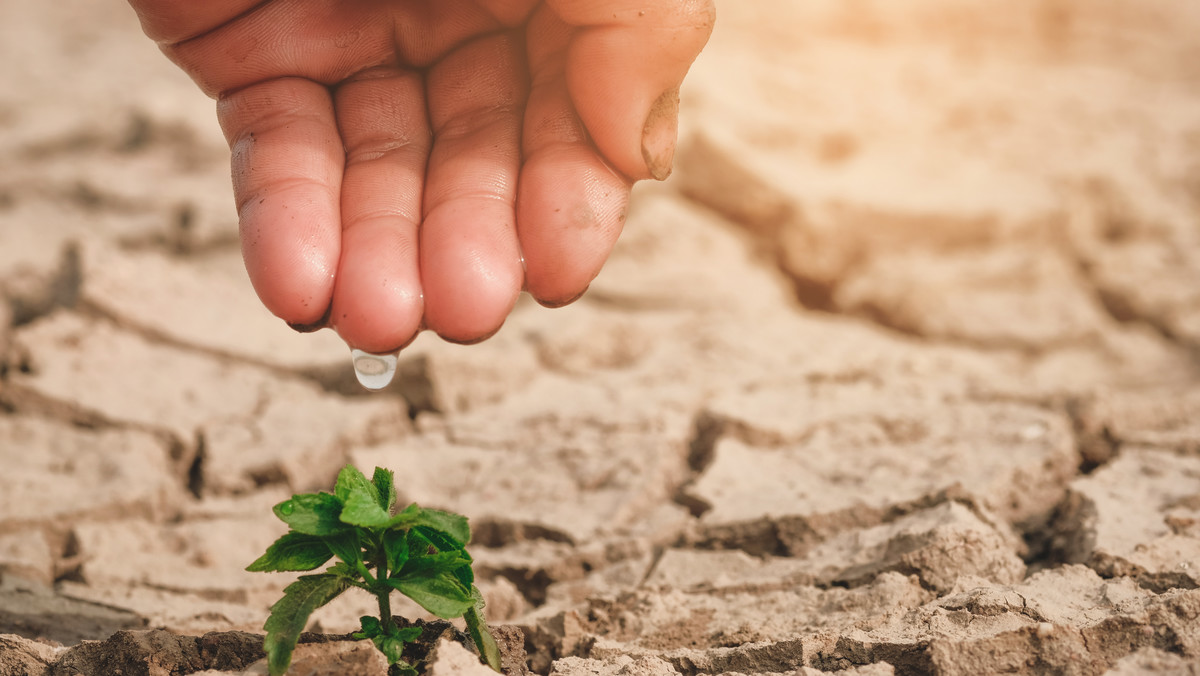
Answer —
899 373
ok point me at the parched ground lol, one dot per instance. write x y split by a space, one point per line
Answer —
899 373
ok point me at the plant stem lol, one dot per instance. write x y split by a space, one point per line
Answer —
385 611
384 593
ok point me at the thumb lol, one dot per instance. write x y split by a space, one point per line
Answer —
624 68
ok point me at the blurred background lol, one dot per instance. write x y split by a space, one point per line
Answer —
936 206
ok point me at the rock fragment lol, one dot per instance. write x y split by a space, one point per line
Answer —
449 658
333 658
1138 516
785 450
23 657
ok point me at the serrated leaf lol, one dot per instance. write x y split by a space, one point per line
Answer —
385 485
345 546
344 570
453 525
351 480
293 552
362 509
290 614
395 544
441 594
480 634
405 518
311 513
421 538
434 564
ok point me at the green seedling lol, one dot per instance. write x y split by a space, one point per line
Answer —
420 553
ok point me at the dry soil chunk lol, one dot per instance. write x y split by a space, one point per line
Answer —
618 666
1166 419
449 658
1139 516
973 297
1151 661
53 470
1066 620
26 556
335 658
256 427
938 545
133 653
205 301
546 460
849 448
193 555
23 657
769 628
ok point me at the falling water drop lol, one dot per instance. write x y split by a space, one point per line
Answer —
374 371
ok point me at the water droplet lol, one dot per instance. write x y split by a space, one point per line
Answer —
374 371
287 508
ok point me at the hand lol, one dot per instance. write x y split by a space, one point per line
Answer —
401 164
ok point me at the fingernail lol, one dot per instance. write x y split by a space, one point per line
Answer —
471 341
552 304
315 326
658 136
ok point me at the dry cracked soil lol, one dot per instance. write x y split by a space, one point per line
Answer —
899 373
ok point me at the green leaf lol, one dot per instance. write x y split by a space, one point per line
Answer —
349 481
385 485
478 630
290 614
392 644
362 509
370 627
395 543
452 525
434 564
441 593
391 647
345 546
407 634
311 513
406 518
293 551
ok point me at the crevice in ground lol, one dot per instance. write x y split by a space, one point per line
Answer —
34 294
707 430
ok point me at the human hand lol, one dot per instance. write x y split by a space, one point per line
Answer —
401 164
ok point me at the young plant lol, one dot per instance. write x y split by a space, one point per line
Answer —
420 553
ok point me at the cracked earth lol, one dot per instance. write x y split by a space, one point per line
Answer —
898 374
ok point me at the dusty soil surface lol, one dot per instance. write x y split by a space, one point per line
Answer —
899 373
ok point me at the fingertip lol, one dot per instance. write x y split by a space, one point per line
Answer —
290 267
570 212
555 304
471 269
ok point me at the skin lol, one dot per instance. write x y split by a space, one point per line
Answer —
409 164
